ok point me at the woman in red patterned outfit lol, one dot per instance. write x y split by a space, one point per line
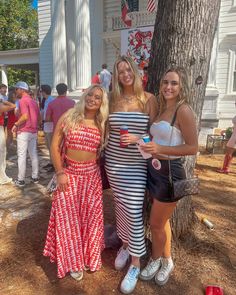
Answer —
75 237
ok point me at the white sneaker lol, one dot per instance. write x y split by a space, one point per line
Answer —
151 269
163 274
130 280
121 258
77 275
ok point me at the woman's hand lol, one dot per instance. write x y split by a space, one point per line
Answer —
151 148
128 138
14 129
62 181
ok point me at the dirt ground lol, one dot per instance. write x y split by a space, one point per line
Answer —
203 256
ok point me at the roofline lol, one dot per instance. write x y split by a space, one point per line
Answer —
19 51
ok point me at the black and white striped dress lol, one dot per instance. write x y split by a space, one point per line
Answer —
127 174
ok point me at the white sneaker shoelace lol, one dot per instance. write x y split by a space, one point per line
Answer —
122 254
133 273
153 265
165 271
121 258
130 280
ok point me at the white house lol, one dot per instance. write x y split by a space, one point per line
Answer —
219 105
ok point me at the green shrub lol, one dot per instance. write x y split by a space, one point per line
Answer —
228 132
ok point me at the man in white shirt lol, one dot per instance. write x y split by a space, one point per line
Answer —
105 77
47 126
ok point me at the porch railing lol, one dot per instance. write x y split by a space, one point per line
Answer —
139 19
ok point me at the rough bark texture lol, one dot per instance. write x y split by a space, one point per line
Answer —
183 35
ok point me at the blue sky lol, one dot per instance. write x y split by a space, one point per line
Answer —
35 3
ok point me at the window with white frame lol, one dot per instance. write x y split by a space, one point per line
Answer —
231 87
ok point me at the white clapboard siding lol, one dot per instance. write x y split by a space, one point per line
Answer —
45 41
227 25
110 55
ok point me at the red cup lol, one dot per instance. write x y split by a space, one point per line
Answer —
214 290
123 130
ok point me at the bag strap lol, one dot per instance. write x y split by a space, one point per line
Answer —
172 126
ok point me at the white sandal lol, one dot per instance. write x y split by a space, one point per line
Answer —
77 275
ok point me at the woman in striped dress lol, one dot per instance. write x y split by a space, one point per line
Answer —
75 237
126 169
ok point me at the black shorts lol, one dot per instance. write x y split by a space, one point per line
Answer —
158 180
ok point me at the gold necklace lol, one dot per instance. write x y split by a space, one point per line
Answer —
129 98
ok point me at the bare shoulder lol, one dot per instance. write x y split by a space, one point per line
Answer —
185 109
185 114
149 95
150 98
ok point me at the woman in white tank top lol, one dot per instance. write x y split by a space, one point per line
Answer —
174 94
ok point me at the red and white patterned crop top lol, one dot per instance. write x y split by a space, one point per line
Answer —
84 138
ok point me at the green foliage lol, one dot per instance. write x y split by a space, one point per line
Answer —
228 132
18 30
15 75
18 25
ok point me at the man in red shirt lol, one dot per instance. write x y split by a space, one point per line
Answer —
96 78
26 128
59 106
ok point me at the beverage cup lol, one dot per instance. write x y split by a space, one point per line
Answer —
146 138
214 290
123 130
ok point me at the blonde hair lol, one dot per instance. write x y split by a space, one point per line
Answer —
117 88
75 116
184 92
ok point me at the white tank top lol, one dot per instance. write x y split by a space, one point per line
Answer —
161 132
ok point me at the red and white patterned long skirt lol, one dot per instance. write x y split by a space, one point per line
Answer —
75 236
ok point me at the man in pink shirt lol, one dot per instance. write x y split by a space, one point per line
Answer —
59 106
26 128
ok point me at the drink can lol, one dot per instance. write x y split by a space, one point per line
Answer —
207 223
214 290
146 138
123 130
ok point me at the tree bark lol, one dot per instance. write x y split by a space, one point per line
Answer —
183 35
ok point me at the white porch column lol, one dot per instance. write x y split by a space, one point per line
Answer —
212 68
70 36
4 75
59 42
82 44
97 46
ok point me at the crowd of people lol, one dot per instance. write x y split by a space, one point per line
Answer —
76 135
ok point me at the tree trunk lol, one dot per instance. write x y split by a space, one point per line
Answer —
183 35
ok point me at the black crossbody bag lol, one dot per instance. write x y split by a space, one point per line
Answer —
184 187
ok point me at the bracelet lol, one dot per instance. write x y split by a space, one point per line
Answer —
61 172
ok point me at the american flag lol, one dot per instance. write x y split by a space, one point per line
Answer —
124 10
151 5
